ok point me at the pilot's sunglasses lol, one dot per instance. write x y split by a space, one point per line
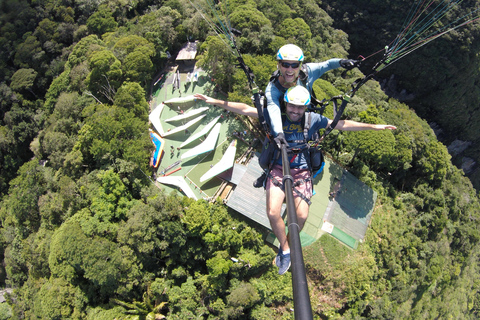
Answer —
294 65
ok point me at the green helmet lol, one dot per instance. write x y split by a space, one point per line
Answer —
290 52
297 95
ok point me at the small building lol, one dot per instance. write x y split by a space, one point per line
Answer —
186 55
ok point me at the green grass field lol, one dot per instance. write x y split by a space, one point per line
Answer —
326 253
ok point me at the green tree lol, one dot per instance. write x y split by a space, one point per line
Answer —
36 251
5 311
131 96
109 204
241 298
433 163
295 30
275 11
151 307
83 49
262 67
29 54
138 66
65 14
248 17
154 235
113 133
160 28
216 59
129 44
60 135
257 31
184 300
218 270
20 209
67 246
94 262
17 130
375 147
45 30
198 218
58 299
101 21
24 79
16 266
55 145
106 74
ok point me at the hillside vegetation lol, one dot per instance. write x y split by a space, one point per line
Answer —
85 234
440 81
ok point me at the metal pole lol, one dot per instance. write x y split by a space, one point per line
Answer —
301 297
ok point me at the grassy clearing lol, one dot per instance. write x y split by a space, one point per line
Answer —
326 253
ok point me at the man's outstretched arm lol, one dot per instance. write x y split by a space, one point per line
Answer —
237 107
350 125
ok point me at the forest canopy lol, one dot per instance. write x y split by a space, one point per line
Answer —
86 235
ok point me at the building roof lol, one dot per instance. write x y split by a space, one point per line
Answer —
188 52
250 201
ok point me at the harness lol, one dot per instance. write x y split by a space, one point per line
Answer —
315 106
311 149
307 148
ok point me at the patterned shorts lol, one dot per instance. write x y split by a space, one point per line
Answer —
299 177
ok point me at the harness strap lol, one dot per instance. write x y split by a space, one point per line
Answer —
256 92
306 126
338 113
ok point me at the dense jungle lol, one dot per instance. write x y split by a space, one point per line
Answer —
86 235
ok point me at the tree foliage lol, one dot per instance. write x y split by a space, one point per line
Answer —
84 235
101 21
215 58
439 77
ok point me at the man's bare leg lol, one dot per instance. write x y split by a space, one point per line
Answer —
302 209
275 198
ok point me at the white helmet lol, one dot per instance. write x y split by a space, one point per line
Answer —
297 95
290 52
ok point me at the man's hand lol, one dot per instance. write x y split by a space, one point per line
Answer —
384 127
280 140
349 64
202 97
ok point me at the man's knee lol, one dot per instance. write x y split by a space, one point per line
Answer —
302 209
273 214
302 215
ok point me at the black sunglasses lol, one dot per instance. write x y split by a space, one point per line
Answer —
294 65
